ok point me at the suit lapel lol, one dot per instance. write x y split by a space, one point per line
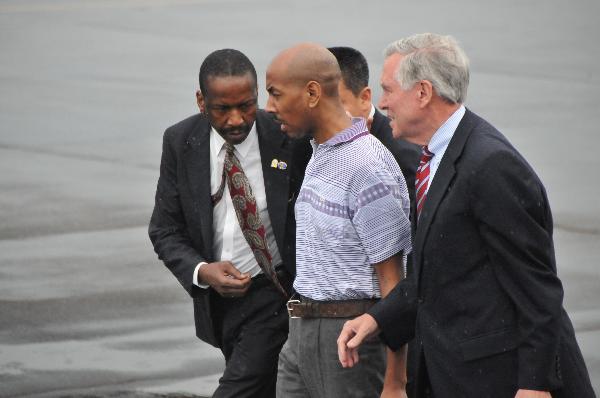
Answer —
439 186
197 164
272 147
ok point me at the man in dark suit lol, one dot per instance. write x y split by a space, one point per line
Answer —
219 219
356 98
483 302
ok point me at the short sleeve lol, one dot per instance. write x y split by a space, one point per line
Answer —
381 215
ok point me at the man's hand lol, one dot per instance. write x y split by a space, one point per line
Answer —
352 335
224 278
532 394
393 392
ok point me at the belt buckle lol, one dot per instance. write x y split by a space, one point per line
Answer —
289 305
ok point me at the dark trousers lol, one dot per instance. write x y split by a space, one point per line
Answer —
253 329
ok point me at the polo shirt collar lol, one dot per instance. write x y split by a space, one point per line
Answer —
357 129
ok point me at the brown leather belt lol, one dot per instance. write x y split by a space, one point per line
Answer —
328 309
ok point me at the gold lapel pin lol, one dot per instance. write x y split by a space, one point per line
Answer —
274 163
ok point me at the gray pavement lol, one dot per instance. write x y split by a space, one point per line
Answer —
87 88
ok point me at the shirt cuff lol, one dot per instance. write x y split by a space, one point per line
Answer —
202 285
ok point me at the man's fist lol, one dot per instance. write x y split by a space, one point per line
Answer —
224 278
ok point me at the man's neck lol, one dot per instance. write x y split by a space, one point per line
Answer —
331 123
438 116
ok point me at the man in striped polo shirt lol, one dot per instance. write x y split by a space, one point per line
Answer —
353 232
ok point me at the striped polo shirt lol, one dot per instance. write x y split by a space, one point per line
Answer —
352 211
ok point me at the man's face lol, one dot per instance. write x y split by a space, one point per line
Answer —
401 105
351 103
230 104
286 102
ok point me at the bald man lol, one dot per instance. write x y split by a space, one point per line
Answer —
353 231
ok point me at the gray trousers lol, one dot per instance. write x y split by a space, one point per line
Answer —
309 365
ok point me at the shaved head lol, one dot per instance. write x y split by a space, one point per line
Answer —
307 62
302 82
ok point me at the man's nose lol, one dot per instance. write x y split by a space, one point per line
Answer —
270 107
382 104
234 118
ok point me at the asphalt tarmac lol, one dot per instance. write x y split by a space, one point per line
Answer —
87 89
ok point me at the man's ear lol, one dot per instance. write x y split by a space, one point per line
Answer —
313 93
200 101
365 98
424 92
365 95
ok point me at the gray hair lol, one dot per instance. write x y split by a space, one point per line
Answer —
436 58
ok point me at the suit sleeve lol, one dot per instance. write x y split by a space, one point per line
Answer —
511 208
167 230
396 313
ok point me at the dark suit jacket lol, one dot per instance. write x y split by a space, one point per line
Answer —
181 227
484 302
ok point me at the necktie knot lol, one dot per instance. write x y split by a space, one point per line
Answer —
228 148
426 155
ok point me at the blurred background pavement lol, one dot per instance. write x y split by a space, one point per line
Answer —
87 89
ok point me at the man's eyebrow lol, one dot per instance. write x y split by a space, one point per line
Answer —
227 106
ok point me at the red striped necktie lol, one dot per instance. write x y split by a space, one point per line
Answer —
422 179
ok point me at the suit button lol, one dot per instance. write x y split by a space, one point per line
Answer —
420 300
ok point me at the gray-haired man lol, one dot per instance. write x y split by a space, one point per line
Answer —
483 301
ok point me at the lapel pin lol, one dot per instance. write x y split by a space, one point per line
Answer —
274 163
282 165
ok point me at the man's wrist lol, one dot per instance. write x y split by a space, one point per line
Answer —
196 277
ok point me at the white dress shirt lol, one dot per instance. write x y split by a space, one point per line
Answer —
440 140
229 243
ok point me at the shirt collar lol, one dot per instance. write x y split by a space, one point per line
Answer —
372 112
356 130
440 140
241 149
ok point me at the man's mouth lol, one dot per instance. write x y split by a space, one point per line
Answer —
236 132
392 119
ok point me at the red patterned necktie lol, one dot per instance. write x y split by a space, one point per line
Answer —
422 179
247 214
